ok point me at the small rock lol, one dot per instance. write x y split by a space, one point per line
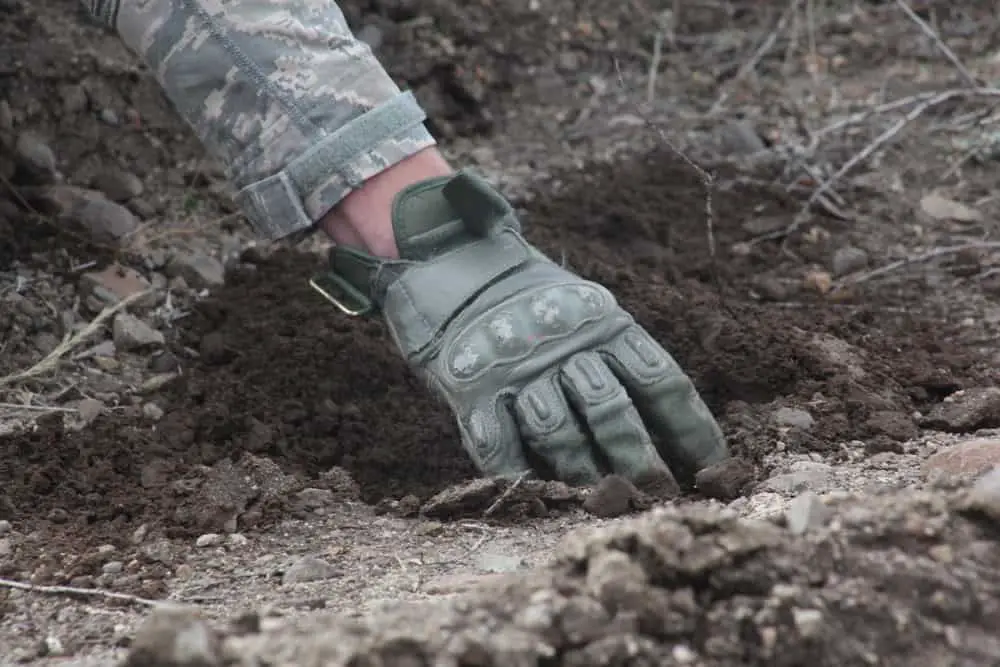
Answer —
848 260
106 549
238 540
967 410
175 637
53 646
139 534
197 269
611 497
809 622
309 569
313 498
740 138
6 547
36 158
208 540
5 527
152 412
725 480
164 362
106 220
113 567
142 208
118 185
805 512
818 281
109 117
942 208
794 417
114 283
89 409
770 289
130 333
964 459
985 494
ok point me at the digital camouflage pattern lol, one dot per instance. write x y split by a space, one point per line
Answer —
298 110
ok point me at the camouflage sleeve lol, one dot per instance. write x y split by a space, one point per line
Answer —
298 110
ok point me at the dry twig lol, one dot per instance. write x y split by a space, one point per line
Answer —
762 51
72 591
866 152
708 181
506 494
938 42
916 259
71 342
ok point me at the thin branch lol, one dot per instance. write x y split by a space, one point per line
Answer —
865 153
72 591
70 342
916 259
708 181
506 494
939 43
762 51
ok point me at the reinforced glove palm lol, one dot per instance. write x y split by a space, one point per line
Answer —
543 369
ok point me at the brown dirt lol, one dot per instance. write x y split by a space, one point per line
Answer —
281 375
278 392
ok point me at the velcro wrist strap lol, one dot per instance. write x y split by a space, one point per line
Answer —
424 300
274 205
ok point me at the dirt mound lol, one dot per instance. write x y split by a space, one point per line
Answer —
902 580
270 370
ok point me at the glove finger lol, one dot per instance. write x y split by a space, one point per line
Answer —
613 420
550 430
492 440
667 401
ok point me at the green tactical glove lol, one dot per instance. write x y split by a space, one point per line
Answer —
544 370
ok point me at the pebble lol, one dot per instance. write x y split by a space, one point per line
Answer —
130 333
114 283
197 269
175 636
208 540
35 156
118 185
109 117
6 547
5 527
808 622
848 260
985 494
106 549
806 512
309 569
238 540
113 567
794 417
152 412
103 219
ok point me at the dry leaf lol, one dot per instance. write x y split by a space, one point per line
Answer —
941 208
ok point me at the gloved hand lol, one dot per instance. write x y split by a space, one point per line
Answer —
543 370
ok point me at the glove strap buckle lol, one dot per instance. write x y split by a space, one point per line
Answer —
348 299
